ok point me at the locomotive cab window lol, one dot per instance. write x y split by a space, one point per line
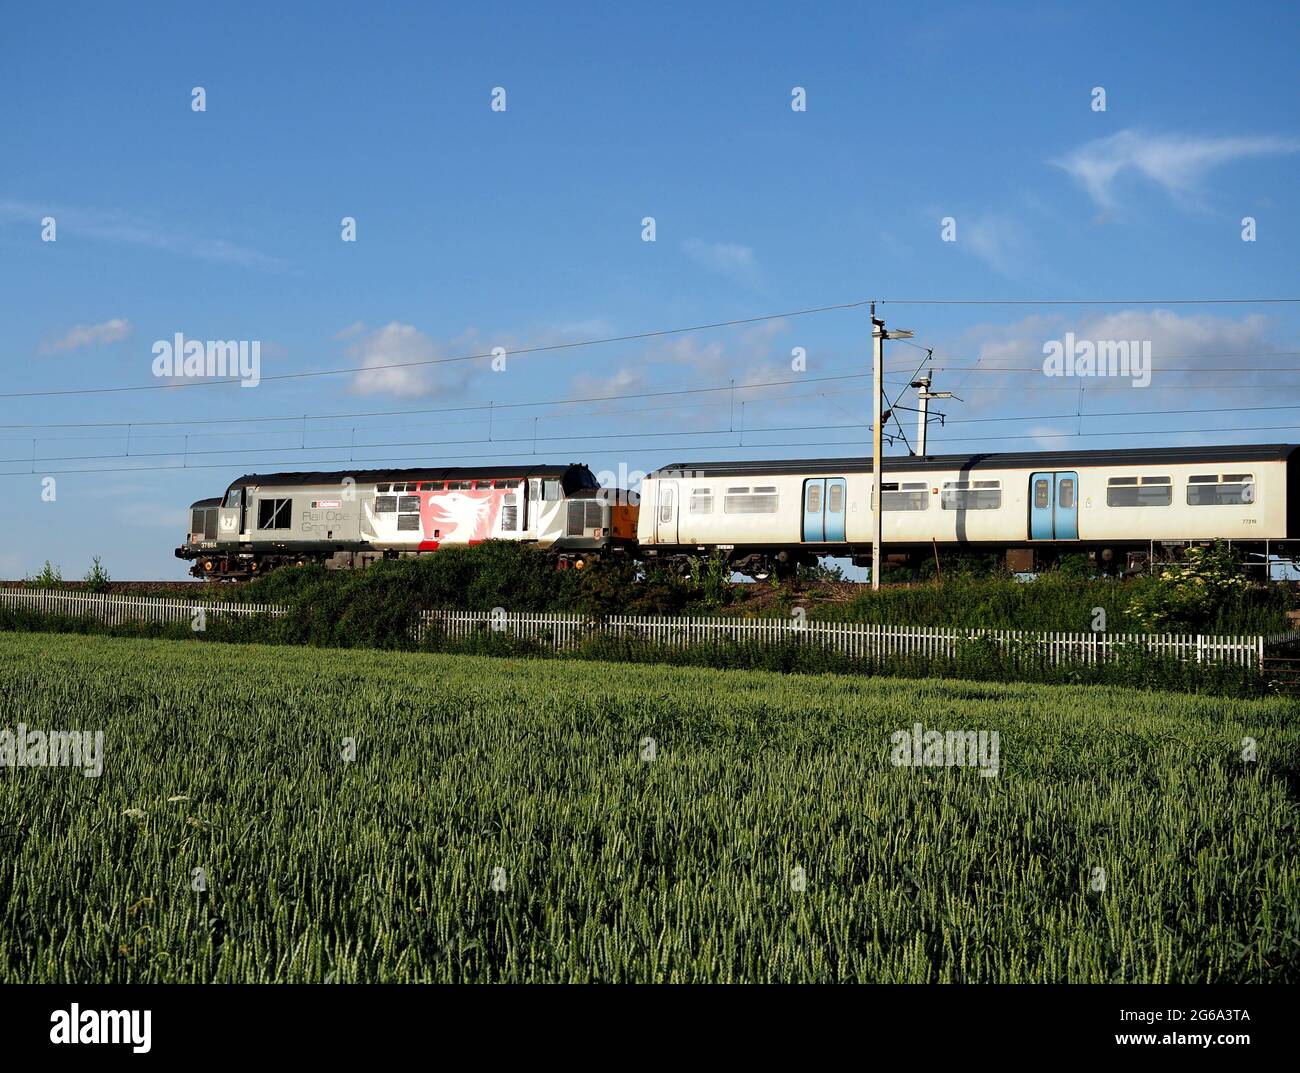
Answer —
1139 492
274 513
1224 489
971 495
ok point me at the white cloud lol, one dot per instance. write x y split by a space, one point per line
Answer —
729 259
399 359
1177 163
1192 341
747 356
624 381
84 335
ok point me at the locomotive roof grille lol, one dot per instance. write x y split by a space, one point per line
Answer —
385 476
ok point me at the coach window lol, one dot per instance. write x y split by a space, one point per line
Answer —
835 498
551 491
701 500
408 505
1224 489
385 504
814 504
509 512
909 495
971 495
1065 493
273 513
1139 492
1042 497
761 500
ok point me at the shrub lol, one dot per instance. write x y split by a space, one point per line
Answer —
1189 594
97 579
50 577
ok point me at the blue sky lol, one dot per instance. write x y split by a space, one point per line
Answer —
518 228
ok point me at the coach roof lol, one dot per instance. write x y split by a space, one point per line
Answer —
1138 456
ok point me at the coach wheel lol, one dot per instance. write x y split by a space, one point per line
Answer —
207 566
578 564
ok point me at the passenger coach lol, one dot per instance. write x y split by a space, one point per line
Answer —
1124 507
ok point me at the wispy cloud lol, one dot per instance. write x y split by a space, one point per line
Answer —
117 226
728 259
1000 241
111 331
1176 163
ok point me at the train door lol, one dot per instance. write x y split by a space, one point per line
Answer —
823 509
666 513
1054 506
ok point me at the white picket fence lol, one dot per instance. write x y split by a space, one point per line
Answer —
561 630
117 610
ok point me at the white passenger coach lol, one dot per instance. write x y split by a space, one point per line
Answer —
1122 506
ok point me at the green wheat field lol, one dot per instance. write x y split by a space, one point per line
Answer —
500 821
